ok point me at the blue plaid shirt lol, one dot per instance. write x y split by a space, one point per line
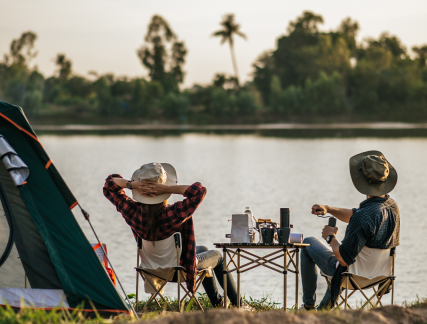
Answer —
375 224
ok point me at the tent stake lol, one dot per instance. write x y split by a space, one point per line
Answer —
86 216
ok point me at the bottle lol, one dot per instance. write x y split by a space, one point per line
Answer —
251 225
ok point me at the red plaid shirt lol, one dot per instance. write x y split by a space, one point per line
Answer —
175 218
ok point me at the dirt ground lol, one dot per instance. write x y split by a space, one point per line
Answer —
384 315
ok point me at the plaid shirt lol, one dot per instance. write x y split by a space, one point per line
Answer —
175 218
375 224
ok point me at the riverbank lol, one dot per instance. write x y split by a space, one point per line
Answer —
285 130
244 127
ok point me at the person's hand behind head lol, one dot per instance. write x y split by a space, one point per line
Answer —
146 189
152 189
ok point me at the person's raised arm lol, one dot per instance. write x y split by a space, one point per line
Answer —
343 214
152 189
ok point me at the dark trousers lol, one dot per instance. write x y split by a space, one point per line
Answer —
213 258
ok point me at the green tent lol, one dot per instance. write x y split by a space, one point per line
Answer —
45 258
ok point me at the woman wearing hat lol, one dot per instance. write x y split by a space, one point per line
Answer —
374 225
152 219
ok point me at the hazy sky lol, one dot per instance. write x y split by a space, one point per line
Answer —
103 35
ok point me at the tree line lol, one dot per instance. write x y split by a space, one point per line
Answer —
310 75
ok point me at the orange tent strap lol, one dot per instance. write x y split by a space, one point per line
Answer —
97 246
48 164
21 129
74 205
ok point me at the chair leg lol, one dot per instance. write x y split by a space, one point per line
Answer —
382 293
348 297
193 296
346 293
155 299
198 282
358 288
392 292
137 277
157 302
179 291
158 292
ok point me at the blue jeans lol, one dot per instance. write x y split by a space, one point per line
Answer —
318 254
213 258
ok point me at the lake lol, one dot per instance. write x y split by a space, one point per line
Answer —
265 173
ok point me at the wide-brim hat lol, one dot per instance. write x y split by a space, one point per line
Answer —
372 174
166 174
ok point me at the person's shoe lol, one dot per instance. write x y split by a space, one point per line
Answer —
221 304
304 308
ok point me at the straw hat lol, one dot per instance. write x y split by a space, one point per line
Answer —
372 174
163 173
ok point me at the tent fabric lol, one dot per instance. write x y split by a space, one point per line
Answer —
30 251
48 201
13 118
39 298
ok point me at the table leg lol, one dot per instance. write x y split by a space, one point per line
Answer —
224 271
296 279
238 278
285 279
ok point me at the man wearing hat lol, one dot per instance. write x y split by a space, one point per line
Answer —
375 224
152 219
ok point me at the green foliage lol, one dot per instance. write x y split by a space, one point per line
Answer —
324 96
176 106
54 316
229 29
64 67
329 74
162 54
21 49
309 75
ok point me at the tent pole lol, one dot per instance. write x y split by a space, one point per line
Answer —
86 215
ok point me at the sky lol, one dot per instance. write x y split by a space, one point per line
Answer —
103 35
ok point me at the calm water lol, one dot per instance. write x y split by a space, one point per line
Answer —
263 173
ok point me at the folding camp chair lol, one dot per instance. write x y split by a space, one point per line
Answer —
373 269
158 264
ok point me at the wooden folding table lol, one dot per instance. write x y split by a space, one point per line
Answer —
242 250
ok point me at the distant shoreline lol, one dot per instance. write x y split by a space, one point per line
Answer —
281 126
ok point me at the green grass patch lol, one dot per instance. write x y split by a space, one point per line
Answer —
55 316
258 305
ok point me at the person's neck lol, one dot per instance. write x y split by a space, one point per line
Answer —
367 196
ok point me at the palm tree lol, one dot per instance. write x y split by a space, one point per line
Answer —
229 29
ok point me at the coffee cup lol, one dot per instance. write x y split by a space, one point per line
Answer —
267 235
283 234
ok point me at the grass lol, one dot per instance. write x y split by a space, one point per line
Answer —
55 316
63 316
417 303
259 305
